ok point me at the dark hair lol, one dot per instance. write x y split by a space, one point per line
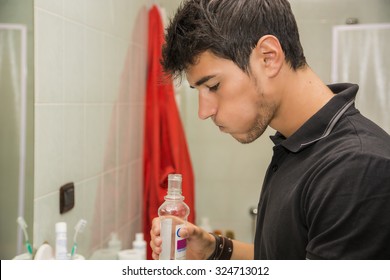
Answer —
229 29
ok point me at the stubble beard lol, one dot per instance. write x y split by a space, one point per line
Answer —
260 124
258 128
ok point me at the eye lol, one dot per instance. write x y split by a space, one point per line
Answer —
214 88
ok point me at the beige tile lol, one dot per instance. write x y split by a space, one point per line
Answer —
136 187
49 143
98 14
93 66
90 200
124 136
74 53
110 136
46 214
49 53
53 6
94 140
114 54
74 144
110 197
75 10
124 198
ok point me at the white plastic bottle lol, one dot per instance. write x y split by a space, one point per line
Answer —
205 224
61 241
139 244
173 246
114 244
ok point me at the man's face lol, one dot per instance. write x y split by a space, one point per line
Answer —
234 100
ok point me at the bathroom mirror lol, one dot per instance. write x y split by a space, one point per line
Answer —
16 123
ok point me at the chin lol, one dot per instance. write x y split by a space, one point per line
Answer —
244 139
249 137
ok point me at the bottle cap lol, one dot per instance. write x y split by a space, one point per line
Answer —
174 184
61 227
174 177
139 236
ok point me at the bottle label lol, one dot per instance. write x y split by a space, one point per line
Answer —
166 232
61 252
180 244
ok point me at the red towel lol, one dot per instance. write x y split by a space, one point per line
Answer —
165 147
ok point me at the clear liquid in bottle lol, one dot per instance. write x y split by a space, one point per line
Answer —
174 213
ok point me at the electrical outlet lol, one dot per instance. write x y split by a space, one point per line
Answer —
66 197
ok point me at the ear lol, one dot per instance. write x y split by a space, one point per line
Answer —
270 54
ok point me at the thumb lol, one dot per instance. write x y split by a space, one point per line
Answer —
184 232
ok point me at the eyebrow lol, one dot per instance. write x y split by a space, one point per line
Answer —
203 80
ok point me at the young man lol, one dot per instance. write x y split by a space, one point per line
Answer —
326 194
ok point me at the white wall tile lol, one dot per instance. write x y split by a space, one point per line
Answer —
53 6
123 14
74 10
135 193
110 132
49 52
74 52
49 155
109 194
124 134
46 214
74 145
94 140
93 66
136 124
123 205
98 14
114 54
92 210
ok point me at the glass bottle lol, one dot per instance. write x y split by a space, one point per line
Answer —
174 207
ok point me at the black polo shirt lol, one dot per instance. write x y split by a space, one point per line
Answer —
326 194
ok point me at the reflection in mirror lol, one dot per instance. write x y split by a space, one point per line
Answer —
16 124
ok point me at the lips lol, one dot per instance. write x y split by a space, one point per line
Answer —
221 127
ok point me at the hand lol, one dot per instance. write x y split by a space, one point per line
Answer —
200 244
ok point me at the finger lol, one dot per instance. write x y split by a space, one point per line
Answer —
155 244
188 230
155 230
155 256
183 232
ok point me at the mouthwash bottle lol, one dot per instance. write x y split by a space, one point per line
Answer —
174 207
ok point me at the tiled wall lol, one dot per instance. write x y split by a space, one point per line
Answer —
90 65
315 21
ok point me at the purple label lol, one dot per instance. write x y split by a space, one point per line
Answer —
181 245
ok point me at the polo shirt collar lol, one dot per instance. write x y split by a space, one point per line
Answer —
322 123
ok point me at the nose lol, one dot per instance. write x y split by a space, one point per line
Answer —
207 105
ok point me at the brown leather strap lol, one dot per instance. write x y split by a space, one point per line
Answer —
223 248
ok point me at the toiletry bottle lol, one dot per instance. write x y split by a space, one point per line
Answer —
114 244
205 224
139 244
173 246
61 241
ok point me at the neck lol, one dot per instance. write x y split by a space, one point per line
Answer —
301 95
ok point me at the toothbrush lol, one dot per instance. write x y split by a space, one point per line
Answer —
78 228
23 225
